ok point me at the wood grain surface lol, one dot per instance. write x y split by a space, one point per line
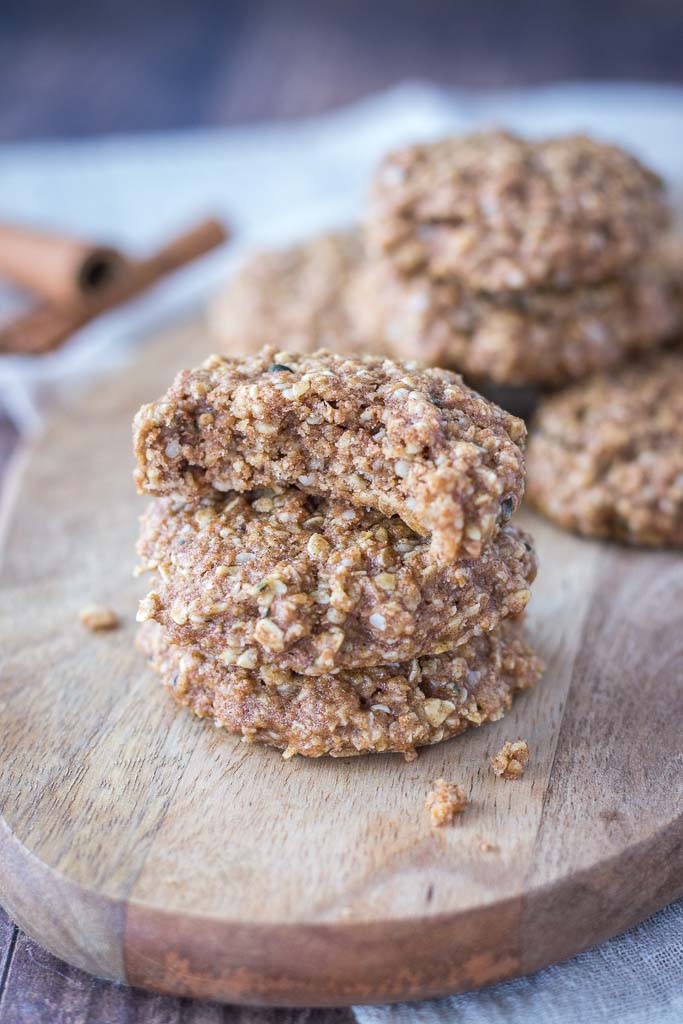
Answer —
140 844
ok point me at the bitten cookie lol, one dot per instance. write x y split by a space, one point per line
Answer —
606 456
388 708
502 213
294 299
313 585
414 443
541 337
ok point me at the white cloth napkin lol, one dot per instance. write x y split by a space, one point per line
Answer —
276 183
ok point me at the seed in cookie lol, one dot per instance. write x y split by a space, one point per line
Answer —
389 436
313 584
503 213
389 708
606 456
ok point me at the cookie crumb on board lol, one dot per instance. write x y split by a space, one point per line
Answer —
487 847
511 760
445 801
97 618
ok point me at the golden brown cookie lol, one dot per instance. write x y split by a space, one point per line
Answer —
535 337
415 443
390 708
294 299
606 456
503 213
313 585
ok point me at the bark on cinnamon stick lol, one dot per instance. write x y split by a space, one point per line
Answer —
47 326
58 267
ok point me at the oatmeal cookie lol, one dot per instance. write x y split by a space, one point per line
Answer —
606 456
294 299
389 708
415 443
543 337
503 213
313 585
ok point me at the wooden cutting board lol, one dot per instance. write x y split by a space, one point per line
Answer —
146 846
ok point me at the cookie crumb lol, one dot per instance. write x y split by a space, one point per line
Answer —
598 466
97 618
445 801
486 847
511 760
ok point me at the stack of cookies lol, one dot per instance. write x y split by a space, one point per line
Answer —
335 569
518 263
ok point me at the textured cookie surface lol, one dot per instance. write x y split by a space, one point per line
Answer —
390 708
545 337
606 456
503 213
312 584
415 443
294 299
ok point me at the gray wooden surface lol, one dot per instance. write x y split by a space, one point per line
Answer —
72 68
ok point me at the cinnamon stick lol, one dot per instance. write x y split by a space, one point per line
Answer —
58 267
47 326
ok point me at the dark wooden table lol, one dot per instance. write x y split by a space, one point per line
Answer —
72 69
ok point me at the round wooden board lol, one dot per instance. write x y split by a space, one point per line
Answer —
143 845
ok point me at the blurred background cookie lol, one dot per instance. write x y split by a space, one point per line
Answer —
293 298
605 457
502 213
537 337
520 264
